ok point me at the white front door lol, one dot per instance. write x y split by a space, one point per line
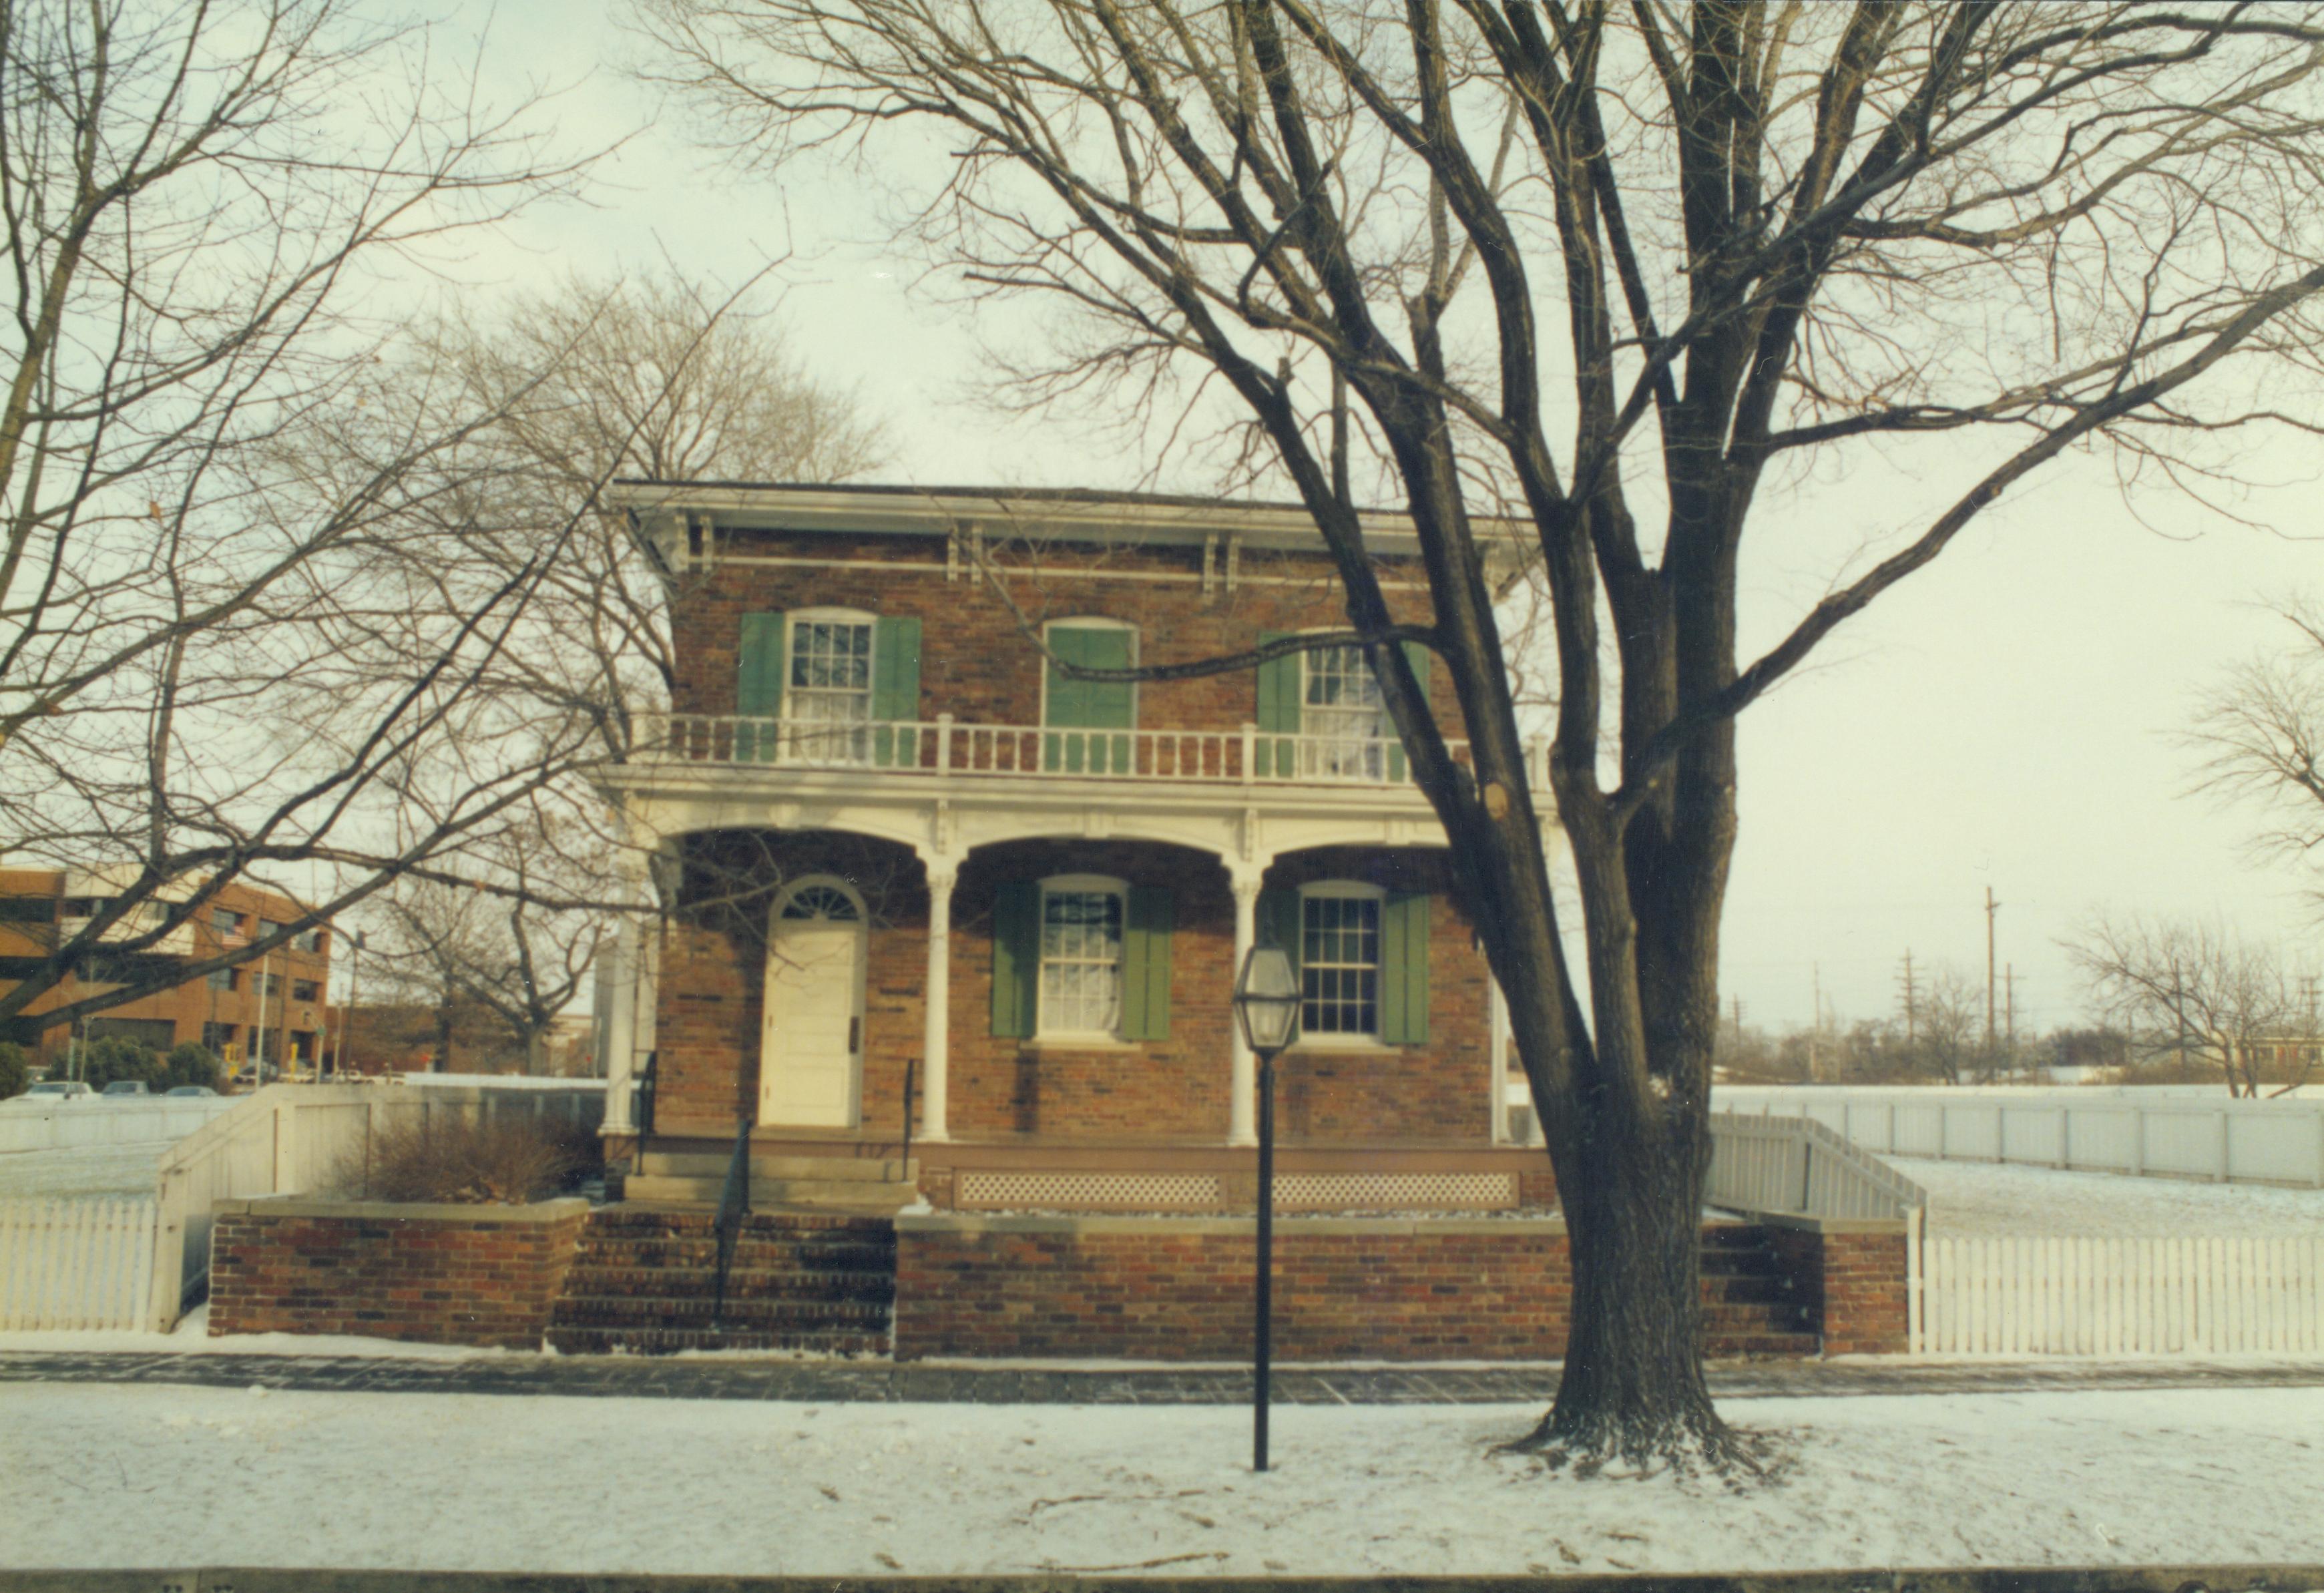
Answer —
811 1046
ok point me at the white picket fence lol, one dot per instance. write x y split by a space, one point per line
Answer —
2143 1134
2084 1295
77 1263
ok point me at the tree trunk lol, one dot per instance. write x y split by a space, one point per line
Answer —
1633 1388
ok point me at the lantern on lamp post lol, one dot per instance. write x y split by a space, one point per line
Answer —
1267 1006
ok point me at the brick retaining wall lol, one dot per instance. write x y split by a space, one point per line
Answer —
435 1274
1851 1276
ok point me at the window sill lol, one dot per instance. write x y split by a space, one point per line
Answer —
1080 1043
1327 1043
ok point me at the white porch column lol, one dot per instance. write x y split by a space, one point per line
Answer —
617 1026
1242 1110
935 1046
1498 1043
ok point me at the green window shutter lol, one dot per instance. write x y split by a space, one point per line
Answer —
1278 709
1280 923
896 690
1088 705
1404 970
1017 958
1145 966
1418 657
758 685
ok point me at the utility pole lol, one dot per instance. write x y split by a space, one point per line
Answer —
1991 908
2009 988
1912 1004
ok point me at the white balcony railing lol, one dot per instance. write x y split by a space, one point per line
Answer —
942 746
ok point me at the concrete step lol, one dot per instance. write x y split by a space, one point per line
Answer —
668 1164
671 1341
863 1196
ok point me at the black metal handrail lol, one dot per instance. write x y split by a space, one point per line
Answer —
646 1096
910 1064
733 1206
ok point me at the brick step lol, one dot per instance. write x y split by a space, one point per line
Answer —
656 1312
810 1254
1747 1288
755 1283
712 1165
576 1340
1719 1321
1737 1263
839 1195
694 1223
1761 1346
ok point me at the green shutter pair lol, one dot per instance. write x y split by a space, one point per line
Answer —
895 687
1282 695
1017 963
1081 705
1404 956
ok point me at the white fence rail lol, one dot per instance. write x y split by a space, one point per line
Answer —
76 1264
2279 1142
1793 1164
2084 1295
25 1125
290 1138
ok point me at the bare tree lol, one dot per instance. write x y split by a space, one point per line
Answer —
1950 1037
209 210
2260 733
1590 274
2193 990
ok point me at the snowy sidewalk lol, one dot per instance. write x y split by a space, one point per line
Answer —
175 1476
838 1382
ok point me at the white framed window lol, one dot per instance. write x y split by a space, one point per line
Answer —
1082 920
1343 714
1340 961
827 686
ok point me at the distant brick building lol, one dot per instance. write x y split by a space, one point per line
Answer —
285 995
904 842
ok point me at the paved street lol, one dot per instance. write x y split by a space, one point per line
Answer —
876 1381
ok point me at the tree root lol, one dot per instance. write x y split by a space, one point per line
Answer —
1683 1444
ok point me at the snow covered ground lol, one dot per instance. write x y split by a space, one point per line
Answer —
1982 1198
82 1170
472 1482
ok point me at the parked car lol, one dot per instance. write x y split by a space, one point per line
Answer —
126 1089
190 1092
53 1089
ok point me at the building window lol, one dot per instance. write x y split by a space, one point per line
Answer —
225 979
217 1038
308 940
304 990
227 921
1081 956
28 910
1344 714
827 698
1339 960
1074 712
273 987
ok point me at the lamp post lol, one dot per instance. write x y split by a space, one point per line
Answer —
1266 1005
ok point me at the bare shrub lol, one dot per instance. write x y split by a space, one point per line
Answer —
457 1161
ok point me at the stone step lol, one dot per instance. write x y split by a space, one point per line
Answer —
657 1312
842 1256
671 1341
852 1195
595 1282
673 1163
693 1222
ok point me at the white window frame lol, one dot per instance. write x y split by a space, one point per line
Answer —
1349 1039
816 745
1336 755
1044 1030
1089 623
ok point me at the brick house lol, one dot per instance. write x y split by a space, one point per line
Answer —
277 1005
908 849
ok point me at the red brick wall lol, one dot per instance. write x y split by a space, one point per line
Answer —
975 662
1175 1089
1158 1295
1853 1286
456 1279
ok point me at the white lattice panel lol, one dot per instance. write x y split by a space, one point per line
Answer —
1396 1191
1077 1191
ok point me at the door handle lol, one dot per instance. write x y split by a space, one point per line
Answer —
854 1035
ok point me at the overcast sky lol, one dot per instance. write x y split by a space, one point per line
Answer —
2003 718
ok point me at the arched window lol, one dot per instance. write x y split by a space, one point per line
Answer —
828 903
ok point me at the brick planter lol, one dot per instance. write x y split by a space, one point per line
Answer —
485 1275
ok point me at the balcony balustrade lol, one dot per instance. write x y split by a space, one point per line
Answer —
943 746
